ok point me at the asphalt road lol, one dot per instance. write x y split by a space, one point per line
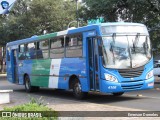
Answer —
138 100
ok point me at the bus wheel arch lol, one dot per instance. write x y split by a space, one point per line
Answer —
75 84
71 81
27 83
28 87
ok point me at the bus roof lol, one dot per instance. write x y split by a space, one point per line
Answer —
70 31
121 23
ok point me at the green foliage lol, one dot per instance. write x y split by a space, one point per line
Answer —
142 11
32 17
35 105
127 10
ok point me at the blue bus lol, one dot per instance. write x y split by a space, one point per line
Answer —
105 57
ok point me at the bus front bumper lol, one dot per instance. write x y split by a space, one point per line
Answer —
113 87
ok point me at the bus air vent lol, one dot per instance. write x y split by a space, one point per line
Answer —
131 73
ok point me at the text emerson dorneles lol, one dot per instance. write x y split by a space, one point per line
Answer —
142 114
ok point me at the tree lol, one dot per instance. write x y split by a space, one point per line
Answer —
32 17
143 11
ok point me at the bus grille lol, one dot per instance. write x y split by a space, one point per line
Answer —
132 87
131 73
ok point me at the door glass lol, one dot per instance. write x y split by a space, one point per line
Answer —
93 63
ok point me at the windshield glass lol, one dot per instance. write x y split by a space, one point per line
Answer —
129 29
125 51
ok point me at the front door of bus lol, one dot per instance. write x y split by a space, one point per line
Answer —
93 63
14 66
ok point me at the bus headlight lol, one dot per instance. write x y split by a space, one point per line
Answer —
110 77
149 74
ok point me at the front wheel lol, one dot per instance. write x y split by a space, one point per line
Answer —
77 90
118 93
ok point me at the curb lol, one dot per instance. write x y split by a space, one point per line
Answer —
3 76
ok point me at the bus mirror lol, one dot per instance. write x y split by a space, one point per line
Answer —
100 50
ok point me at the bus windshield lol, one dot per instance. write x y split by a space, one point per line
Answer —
126 51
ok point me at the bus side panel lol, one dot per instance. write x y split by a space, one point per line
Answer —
12 68
24 67
73 66
40 72
9 72
9 69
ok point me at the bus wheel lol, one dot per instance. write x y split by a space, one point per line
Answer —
28 86
77 90
118 93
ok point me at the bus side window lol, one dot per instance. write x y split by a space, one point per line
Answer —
31 51
57 47
21 55
42 49
74 46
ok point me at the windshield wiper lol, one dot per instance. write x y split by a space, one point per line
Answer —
112 46
135 42
129 51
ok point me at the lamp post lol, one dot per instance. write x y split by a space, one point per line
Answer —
77 16
71 23
77 13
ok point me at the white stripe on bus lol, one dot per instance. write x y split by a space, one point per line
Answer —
54 70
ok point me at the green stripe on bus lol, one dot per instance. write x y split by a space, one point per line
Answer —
40 72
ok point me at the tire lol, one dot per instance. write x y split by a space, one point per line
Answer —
77 90
118 93
28 86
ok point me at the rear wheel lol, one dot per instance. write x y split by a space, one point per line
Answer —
28 86
118 94
77 90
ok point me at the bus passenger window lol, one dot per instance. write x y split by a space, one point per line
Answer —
62 42
42 49
67 41
21 55
57 48
31 51
74 48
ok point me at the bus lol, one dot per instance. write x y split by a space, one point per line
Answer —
109 58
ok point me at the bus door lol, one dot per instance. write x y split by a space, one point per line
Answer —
93 63
14 66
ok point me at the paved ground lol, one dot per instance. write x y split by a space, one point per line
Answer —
60 100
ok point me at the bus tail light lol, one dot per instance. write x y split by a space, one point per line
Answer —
110 77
